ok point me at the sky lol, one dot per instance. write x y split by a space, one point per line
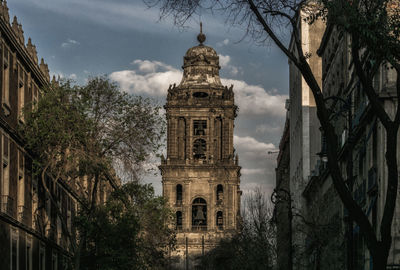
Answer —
127 41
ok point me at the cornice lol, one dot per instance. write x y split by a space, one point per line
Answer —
22 52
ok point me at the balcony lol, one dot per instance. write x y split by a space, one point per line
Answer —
199 228
7 205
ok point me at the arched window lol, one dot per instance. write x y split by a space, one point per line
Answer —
179 194
199 149
179 220
220 220
220 193
199 214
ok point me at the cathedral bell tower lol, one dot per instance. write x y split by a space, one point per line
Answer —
200 174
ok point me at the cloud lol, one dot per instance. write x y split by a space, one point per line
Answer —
250 147
264 128
224 61
151 66
252 171
153 78
254 100
69 43
225 42
150 77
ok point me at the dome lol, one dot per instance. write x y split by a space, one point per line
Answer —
201 49
201 66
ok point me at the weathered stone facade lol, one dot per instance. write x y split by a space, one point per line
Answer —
200 174
31 235
305 142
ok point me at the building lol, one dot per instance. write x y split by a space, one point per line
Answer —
200 174
283 215
305 143
330 239
362 141
31 234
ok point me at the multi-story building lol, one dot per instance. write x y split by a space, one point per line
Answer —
31 235
304 125
332 240
200 174
362 141
283 215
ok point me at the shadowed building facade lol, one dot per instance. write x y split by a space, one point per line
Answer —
200 174
31 232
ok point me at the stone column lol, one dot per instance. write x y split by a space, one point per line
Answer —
211 206
187 206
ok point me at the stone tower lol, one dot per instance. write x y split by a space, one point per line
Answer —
200 174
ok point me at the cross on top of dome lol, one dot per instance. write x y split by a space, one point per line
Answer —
201 37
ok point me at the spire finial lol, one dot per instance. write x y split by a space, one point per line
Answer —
201 37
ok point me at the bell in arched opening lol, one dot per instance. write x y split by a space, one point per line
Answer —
199 214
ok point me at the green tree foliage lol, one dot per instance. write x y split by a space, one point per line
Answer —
253 247
81 135
129 232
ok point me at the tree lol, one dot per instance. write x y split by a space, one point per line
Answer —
80 135
131 231
253 247
374 30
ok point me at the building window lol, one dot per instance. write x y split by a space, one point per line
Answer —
35 95
14 250
28 253
6 76
199 149
179 220
7 203
42 258
199 214
178 194
220 220
34 200
21 92
54 261
59 231
69 214
21 186
220 193
199 127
